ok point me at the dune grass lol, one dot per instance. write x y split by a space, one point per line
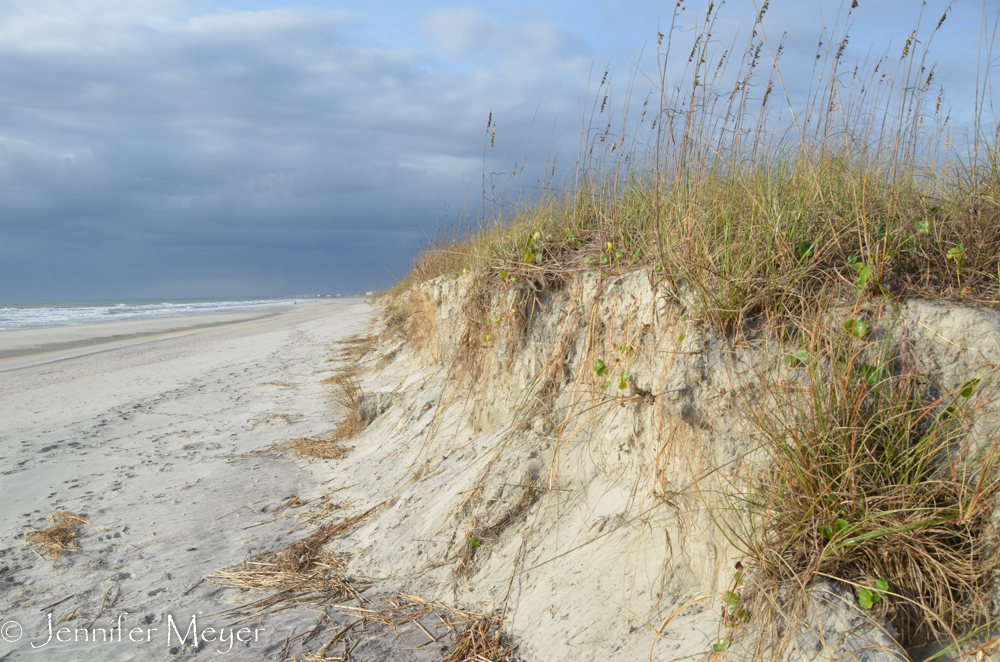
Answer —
746 215
872 477
756 209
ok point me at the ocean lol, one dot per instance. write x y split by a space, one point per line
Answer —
33 315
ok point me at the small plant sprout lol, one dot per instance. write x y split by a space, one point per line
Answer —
830 532
623 382
868 598
721 644
530 249
923 227
797 358
870 374
856 328
503 273
957 253
968 387
731 599
807 249
600 368
864 271
604 258
487 338
475 542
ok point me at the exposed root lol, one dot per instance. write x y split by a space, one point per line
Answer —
490 534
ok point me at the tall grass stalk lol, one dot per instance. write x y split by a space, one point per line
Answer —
748 203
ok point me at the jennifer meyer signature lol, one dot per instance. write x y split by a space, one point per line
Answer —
12 632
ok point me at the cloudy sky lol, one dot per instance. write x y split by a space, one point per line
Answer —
215 148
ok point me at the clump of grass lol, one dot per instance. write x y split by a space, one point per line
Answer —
302 573
482 639
347 395
872 478
353 350
59 538
474 637
321 447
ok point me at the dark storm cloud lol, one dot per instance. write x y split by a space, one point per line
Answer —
176 144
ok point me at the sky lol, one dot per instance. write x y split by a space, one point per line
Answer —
158 149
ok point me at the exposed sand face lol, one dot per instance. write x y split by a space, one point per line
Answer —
145 428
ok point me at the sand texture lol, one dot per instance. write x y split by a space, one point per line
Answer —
454 480
151 434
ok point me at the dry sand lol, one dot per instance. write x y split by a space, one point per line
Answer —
148 429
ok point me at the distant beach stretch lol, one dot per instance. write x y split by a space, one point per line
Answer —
27 316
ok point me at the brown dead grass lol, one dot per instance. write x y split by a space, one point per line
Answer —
59 538
321 447
482 640
347 395
353 350
300 574
474 637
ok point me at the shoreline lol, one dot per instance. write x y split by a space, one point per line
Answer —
25 347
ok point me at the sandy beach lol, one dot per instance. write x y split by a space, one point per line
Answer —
151 431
